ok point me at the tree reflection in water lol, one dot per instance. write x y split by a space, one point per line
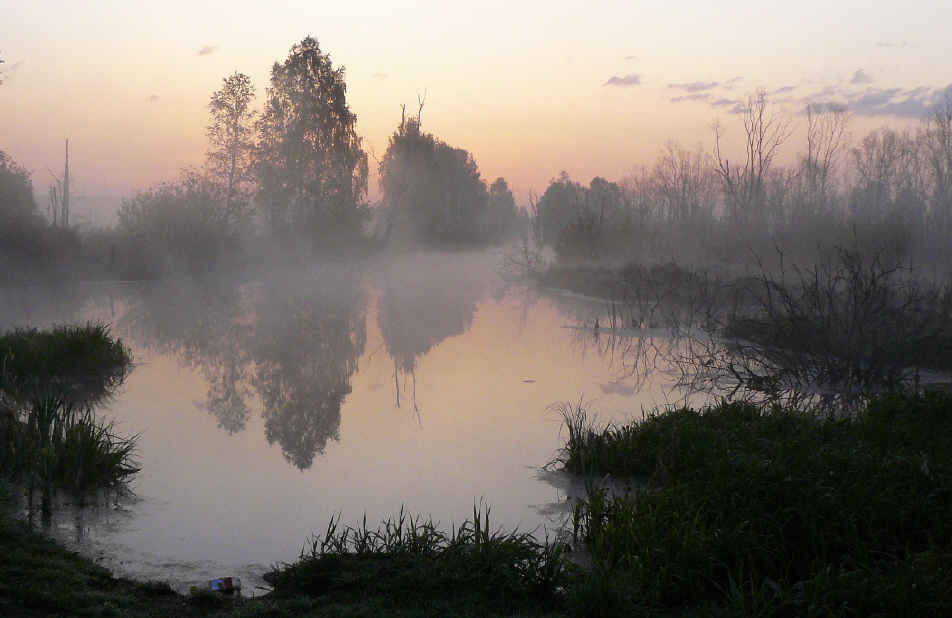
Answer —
206 326
306 348
424 300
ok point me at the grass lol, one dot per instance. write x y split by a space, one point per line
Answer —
769 512
85 362
412 564
50 438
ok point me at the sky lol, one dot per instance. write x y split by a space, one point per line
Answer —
529 87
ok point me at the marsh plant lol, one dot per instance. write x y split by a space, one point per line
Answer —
857 323
413 561
50 438
772 512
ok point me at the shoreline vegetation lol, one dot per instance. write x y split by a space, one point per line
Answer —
752 510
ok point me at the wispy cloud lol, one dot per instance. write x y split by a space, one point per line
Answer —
208 49
628 80
380 76
631 58
861 77
876 102
784 89
153 98
698 96
890 44
694 86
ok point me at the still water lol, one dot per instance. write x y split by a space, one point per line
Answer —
265 406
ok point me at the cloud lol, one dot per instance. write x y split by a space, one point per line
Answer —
725 102
861 77
631 58
731 83
208 49
380 76
628 80
153 98
890 44
784 89
694 86
698 96
876 102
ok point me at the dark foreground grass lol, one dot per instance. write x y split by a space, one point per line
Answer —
50 438
768 512
415 567
83 361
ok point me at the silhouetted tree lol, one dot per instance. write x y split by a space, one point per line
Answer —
561 204
231 140
502 215
433 191
175 227
311 170
18 207
745 186
890 187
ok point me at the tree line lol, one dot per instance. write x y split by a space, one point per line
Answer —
890 188
293 175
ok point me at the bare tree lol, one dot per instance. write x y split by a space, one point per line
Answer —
890 183
827 142
744 186
937 138
684 184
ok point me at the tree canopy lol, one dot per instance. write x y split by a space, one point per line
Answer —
311 170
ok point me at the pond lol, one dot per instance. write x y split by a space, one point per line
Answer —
267 405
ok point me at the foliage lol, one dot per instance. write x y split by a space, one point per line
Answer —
171 228
50 439
434 193
231 137
18 209
414 563
84 361
311 170
768 511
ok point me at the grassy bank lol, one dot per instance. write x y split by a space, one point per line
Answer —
769 512
50 438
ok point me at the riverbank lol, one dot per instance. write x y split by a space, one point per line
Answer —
754 511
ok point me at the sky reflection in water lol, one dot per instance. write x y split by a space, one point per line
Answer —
265 407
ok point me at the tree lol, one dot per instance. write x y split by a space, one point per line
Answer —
827 140
745 187
176 226
501 211
311 170
432 190
17 204
231 140
683 184
559 206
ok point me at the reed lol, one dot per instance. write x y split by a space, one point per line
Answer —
50 438
411 560
767 511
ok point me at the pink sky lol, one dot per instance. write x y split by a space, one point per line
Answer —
529 87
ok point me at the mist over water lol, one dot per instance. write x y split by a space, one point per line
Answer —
264 406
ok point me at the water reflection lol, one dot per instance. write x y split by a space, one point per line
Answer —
207 326
422 302
306 348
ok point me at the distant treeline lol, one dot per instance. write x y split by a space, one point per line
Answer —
890 189
291 179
